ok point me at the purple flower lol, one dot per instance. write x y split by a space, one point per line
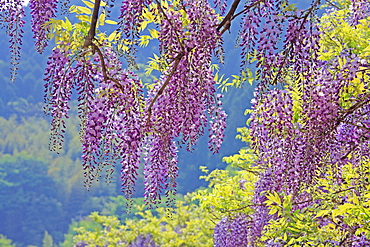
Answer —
42 11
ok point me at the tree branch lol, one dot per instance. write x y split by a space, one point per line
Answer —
228 18
160 91
104 67
94 19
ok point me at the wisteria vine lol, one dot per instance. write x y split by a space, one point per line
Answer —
305 117
301 125
119 122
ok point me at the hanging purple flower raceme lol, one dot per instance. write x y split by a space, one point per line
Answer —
279 142
114 123
41 11
58 91
217 123
263 26
323 123
85 81
179 102
131 16
301 42
261 31
231 231
352 136
248 35
360 10
11 16
130 19
281 150
160 170
221 5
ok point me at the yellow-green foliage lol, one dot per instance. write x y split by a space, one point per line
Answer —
5 242
340 35
73 34
230 190
226 193
188 225
341 200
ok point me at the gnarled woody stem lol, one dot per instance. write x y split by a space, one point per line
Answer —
94 20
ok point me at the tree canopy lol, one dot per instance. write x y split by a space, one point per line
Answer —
308 130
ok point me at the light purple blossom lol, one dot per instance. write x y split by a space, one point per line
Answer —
42 11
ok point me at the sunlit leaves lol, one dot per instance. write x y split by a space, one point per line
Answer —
227 192
336 212
188 226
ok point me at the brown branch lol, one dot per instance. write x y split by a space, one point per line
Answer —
229 17
104 67
365 99
160 91
94 19
355 125
332 4
89 42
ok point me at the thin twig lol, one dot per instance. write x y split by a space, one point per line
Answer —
104 67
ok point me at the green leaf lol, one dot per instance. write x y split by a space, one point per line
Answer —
101 19
88 4
67 25
83 18
154 33
322 213
112 36
84 10
274 198
111 22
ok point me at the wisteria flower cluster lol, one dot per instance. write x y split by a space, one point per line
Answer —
11 17
110 105
179 103
42 11
231 232
305 119
119 123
